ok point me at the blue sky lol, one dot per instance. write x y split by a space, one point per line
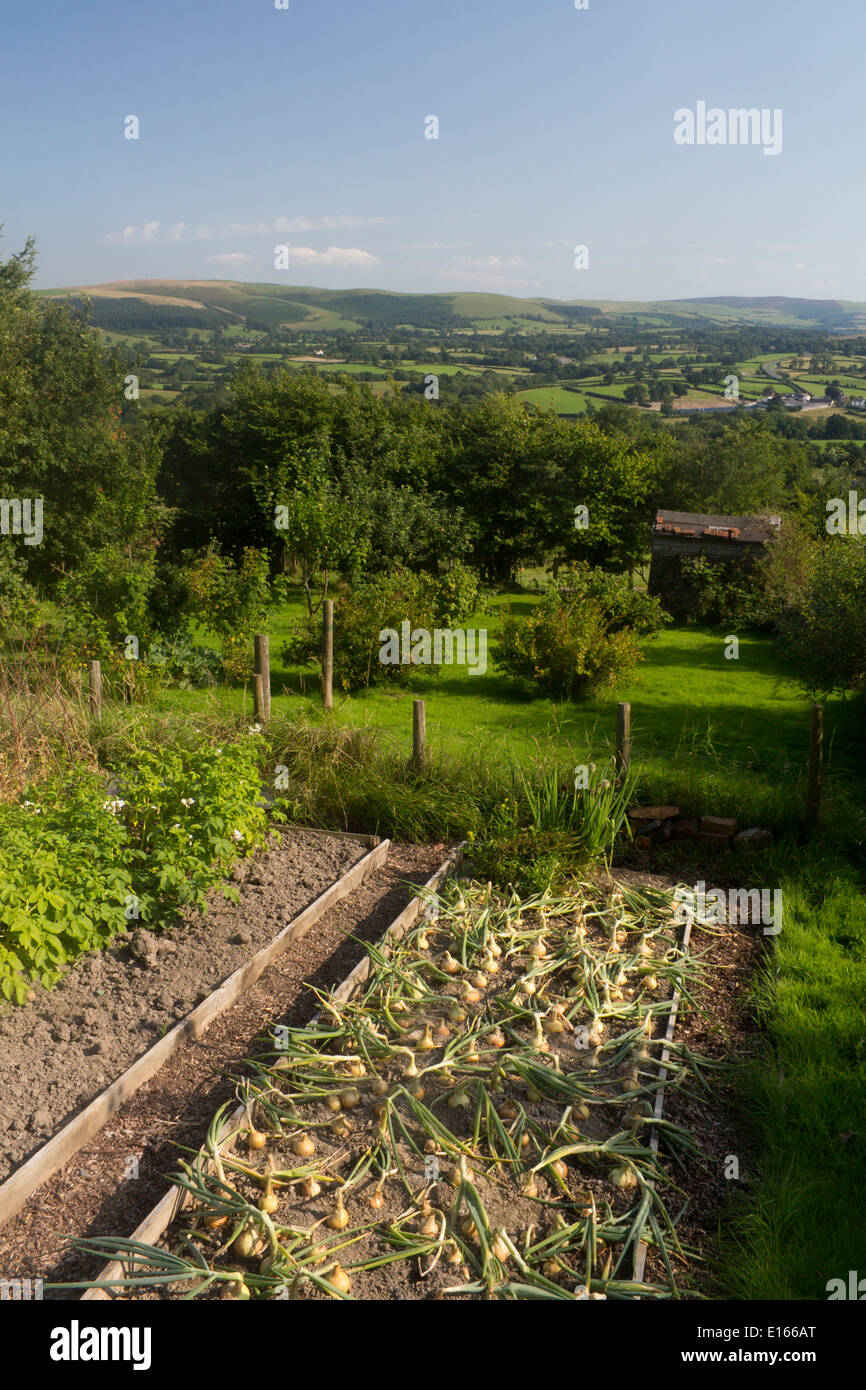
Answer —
261 127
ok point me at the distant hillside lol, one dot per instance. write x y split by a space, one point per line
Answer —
138 305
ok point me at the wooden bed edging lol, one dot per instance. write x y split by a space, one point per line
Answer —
157 1222
16 1190
641 1247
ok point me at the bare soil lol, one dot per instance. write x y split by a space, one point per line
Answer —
111 1185
61 1050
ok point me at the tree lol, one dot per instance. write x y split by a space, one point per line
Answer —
68 439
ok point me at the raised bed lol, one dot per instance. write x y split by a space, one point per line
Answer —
157 1222
546 1139
72 1137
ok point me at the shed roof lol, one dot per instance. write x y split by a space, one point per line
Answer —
744 529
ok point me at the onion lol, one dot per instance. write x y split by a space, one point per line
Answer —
499 1248
508 1110
530 1187
532 1094
310 1187
339 1217
377 1201
559 1168
255 1139
458 1098
449 964
340 1126
240 1291
538 949
468 1227
455 1254
339 1279
457 1014
624 1176
425 1042
469 993
496 1038
651 982
429 1226
479 979
582 1110
244 1244
349 1098
422 942
269 1201
378 1086
526 985
304 1146
333 1103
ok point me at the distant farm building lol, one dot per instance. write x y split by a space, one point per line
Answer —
730 540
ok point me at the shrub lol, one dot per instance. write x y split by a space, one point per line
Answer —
581 636
362 613
231 601
825 637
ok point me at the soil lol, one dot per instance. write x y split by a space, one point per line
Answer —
499 1189
111 1185
89 1196
61 1050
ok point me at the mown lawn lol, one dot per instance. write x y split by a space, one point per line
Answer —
736 731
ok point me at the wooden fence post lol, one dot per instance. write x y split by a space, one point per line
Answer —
419 735
623 739
259 698
816 761
263 669
328 653
94 676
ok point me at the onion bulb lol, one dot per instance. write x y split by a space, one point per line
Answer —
339 1217
479 979
425 1042
499 1248
468 1227
349 1098
245 1243
310 1187
559 1168
339 1279
624 1176
530 1187
304 1146
458 1098
255 1139
457 1014
508 1110
340 1126
449 964
377 1201
496 1037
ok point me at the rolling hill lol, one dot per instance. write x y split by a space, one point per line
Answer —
132 305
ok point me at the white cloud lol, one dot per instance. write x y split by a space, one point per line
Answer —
488 273
230 258
335 256
494 263
150 232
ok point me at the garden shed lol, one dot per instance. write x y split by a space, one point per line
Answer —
725 539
